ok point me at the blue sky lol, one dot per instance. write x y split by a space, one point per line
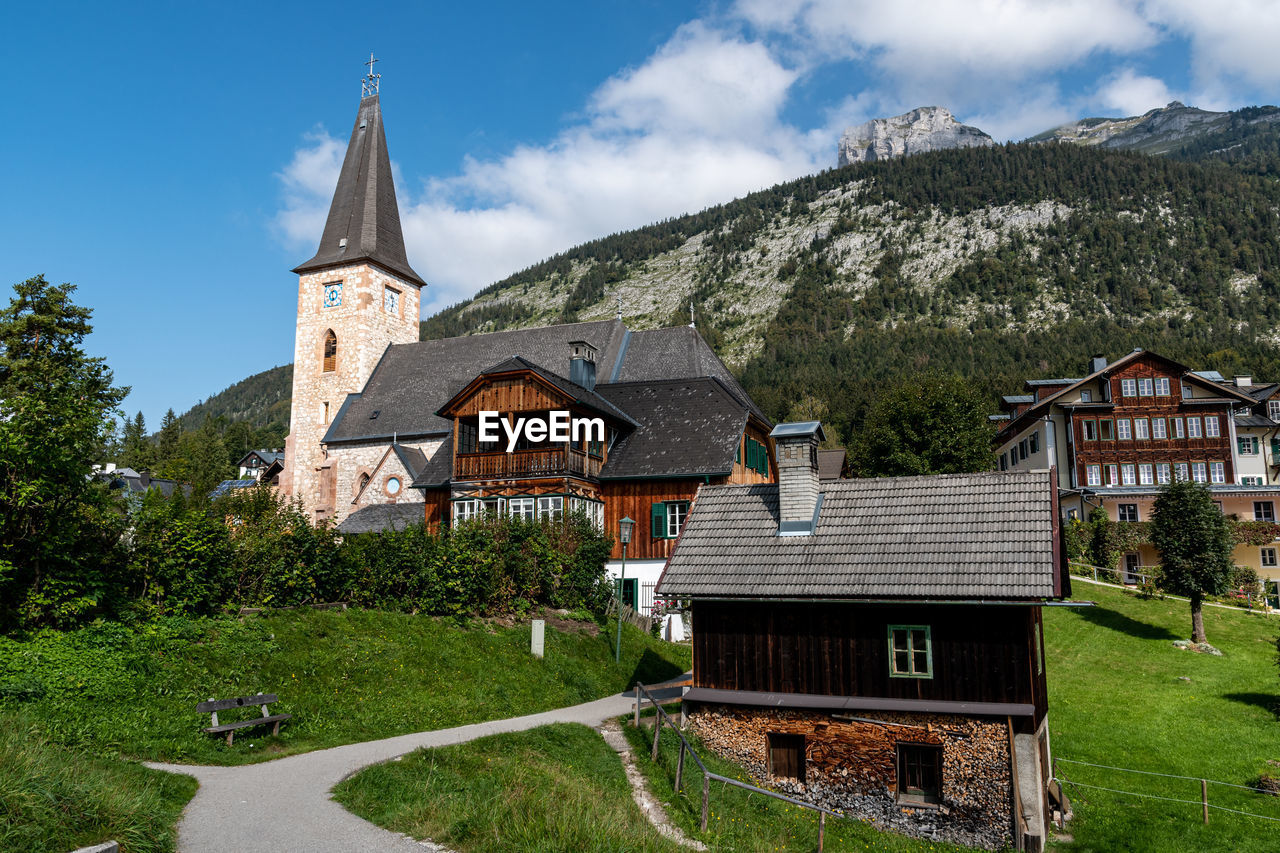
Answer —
175 161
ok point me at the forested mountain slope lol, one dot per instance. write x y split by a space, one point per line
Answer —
999 263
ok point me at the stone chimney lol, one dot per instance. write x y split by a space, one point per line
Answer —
582 364
1098 362
799 499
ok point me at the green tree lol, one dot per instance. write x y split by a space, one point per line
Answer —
929 424
1195 544
167 442
58 528
136 450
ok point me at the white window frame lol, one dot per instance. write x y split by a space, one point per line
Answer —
1193 427
465 511
1186 391
1086 395
1093 475
1146 387
1267 558
1183 471
1260 516
1127 474
1162 386
1159 429
1217 472
1124 432
521 507
550 507
1113 475
1178 430
1247 445
1141 429
1211 427
1273 410
1128 387
677 514
1164 473
1146 476
1120 512
1199 472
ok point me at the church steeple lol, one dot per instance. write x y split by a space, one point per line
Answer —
364 220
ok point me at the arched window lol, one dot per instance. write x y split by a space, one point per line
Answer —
364 481
330 351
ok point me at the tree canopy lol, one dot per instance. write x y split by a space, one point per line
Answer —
56 410
928 424
1195 545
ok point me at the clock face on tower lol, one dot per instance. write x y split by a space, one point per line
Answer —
391 301
333 294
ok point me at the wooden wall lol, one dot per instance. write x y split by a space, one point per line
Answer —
741 473
634 499
980 653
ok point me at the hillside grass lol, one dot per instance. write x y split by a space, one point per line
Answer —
345 676
54 799
557 787
1117 697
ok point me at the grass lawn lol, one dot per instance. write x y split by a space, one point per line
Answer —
554 788
345 676
1117 697
54 799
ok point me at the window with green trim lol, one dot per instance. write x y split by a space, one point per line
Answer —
666 518
910 651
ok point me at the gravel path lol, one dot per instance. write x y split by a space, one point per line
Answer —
283 806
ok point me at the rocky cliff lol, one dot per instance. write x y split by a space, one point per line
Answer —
922 129
1162 130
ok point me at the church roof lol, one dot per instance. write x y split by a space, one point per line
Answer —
364 220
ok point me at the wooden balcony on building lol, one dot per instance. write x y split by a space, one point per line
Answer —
544 462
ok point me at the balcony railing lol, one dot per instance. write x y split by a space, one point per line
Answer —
548 462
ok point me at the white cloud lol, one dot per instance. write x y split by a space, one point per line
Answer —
1130 93
308 183
931 39
1230 39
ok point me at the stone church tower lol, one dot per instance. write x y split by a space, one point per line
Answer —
356 296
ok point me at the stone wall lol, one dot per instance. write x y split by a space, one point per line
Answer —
375 459
851 766
363 329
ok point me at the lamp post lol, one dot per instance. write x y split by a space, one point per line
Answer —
624 536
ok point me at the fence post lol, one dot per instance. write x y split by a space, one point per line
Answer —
1204 799
680 767
636 724
706 799
657 732
822 826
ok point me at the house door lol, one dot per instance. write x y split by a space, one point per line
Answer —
1131 568
630 592
1273 595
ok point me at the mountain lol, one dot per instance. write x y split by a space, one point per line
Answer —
999 263
1178 131
996 262
923 129
262 400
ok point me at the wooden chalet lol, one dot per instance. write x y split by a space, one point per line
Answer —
876 645
674 419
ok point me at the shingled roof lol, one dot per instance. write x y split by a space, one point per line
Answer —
413 381
961 536
687 427
364 219
383 517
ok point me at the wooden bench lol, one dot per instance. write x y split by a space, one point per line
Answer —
213 706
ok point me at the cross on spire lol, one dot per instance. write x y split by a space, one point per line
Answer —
369 85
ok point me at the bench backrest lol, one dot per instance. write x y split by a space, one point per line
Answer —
242 702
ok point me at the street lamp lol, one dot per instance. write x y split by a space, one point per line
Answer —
624 536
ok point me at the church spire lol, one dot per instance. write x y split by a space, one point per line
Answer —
364 220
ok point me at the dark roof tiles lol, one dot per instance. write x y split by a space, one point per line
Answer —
986 536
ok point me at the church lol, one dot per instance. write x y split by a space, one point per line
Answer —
386 430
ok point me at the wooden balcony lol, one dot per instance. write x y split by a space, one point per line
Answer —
521 464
